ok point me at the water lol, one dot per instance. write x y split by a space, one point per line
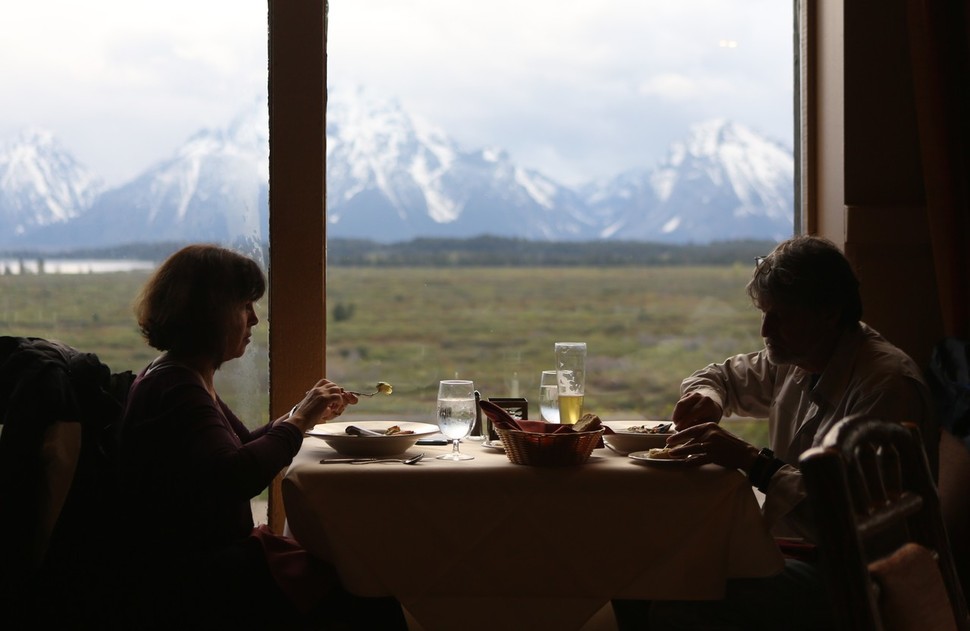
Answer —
456 417
549 403
71 266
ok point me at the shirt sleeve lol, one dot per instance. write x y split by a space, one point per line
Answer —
742 385
785 514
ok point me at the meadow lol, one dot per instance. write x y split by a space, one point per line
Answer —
646 327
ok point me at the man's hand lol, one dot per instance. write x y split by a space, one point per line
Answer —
709 442
695 408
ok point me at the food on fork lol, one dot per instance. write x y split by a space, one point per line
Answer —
661 453
384 388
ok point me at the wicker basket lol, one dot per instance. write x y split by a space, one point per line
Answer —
548 450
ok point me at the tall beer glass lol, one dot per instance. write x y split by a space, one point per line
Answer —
571 375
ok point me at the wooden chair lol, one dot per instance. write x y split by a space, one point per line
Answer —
884 548
955 501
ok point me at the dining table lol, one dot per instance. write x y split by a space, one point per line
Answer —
488 544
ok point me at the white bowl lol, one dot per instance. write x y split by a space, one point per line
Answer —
625 442
335 435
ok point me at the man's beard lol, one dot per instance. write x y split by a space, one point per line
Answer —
781 356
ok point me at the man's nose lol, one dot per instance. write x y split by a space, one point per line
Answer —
767 325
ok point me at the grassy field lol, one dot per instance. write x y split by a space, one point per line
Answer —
646 329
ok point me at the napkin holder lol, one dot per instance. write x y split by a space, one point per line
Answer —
515 407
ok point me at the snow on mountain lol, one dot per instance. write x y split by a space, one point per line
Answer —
214 188
393 177
724 181
41 184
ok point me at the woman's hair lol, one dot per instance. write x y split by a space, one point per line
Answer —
184 307
808 272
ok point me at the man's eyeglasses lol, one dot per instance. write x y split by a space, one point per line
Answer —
764 268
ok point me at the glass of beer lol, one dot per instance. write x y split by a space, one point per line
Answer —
571 376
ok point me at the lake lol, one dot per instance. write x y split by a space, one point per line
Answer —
72 266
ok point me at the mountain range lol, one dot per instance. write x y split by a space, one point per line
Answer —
393 177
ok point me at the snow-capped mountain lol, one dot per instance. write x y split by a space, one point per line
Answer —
724 182
213 189
393 177
41 183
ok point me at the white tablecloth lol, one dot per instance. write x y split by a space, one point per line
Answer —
525 547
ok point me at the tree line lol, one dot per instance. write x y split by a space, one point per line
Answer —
472 252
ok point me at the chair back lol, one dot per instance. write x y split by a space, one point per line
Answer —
955 502
59 409
884 548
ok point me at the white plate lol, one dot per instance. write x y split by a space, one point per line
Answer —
644 457
624 442
494 444
335 434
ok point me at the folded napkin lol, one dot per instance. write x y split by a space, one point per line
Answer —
498 416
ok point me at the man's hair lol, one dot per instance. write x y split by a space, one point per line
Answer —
808 272
185 305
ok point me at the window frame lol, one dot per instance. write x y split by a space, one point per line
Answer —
297 202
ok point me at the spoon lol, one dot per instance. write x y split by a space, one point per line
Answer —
411 460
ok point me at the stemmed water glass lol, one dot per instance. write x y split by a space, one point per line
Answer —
456 414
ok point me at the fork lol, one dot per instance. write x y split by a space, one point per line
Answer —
382 387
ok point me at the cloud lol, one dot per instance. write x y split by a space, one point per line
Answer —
671 87
573 87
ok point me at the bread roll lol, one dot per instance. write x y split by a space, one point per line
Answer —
588 423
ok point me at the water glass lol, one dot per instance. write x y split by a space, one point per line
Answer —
549 396
456 414
571 380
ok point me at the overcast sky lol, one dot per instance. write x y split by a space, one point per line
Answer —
576 89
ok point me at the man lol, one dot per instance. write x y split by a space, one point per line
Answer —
820 364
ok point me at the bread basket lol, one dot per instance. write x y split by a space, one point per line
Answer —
546 449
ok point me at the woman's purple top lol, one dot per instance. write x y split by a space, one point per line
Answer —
190 467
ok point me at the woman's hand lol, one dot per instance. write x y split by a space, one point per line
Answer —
323 402
695 408
709 442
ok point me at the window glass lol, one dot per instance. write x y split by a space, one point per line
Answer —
647 128
128 129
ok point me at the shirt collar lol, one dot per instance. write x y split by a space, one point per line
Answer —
834 379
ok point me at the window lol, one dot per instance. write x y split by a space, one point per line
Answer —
579 92
406 324
128 97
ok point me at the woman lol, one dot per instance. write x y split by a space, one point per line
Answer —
190 468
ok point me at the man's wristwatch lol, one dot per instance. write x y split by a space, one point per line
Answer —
764 466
